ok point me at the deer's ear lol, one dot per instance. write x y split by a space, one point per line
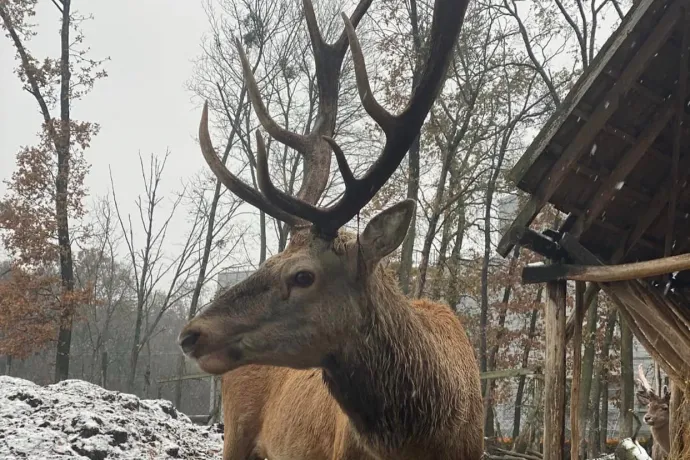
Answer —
386 231
665 394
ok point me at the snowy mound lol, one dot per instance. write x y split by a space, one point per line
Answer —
74 419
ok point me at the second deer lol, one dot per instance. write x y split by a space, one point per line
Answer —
657 416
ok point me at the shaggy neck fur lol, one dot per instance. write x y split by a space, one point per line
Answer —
662 437
390 380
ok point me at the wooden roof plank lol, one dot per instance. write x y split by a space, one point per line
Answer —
589 130
681 93
581 87
610 186
655 207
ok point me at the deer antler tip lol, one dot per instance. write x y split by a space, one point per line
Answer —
203 127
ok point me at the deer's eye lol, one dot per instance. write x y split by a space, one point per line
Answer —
303 279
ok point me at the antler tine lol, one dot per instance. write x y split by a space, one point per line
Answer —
232 182
384 119
643 380
282 200
289 138
344 168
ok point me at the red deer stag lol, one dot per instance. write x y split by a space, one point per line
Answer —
657 416
323 357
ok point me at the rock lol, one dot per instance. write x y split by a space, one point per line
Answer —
78 420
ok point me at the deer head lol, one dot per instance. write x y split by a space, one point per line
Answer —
305 302
657 415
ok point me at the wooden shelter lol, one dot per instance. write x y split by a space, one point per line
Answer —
615 157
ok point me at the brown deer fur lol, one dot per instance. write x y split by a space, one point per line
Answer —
396 379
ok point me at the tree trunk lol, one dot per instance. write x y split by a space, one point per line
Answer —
588 369
491 384
437 285
433 222
452 289
603 376
525 363
407 251
627 381
604 414
62 144
262 245
104 369
595 411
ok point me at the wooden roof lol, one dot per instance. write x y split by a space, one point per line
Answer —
606 156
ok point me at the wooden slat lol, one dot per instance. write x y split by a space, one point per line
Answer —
681 93
603 112
624 136
580 89
554 372
626 164
655 207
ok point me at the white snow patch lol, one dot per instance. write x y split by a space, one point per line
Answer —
74 419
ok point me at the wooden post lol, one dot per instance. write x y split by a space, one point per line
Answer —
213 395
104 369
679 426
554 374
575 428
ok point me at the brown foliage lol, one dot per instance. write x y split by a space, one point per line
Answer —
31 306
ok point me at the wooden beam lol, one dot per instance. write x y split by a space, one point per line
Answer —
186 377
580 255
509 373
603 112
539 243
606 273
575 429
554 372
626 164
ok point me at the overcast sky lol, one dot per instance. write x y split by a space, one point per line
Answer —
143 105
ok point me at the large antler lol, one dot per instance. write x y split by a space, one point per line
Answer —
400 130
315 151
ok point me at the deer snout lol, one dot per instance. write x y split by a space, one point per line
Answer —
648 419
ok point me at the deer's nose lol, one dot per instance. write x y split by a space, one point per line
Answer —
647 419
188 341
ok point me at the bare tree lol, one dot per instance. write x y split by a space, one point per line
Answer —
98 267
221 237
160 282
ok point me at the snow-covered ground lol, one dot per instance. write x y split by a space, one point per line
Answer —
74 419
